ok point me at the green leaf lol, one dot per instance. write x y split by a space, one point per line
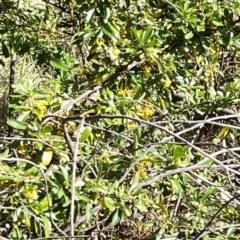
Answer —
79 182
147 35
44 203
110 203
141 207
88 212
200 28
138 35
178 153
154 42
24 117
176 186
16 124
126 209
148 224
113 187
114 29
99 188
189 35
60 194
47 157
224 132
217 23
5 153
58 64
172 166
124 102
193 19
12 178
135 143
134 181
207 193
230 231
65 172
88 35
47 225
186 6
115 218
138 93
47 129
107 14
39 6
159 64
90 14
38 94
107 31
85 134
67 201
173 66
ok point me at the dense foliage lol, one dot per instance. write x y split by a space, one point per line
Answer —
122 119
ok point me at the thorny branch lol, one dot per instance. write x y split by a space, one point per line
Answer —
157 125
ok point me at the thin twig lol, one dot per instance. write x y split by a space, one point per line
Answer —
164 129
74 169
221 228
201 233
131 166
177 204
220 188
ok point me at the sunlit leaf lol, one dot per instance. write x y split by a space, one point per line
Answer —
47 157
224 132
115 218
24 117
138 93
89 212
110 203
16 124
207 193
189 35
47 224
59 64
90 14
86 133
5 153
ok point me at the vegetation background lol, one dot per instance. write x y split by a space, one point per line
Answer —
119 119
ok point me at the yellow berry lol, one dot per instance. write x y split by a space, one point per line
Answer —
147 69
28 224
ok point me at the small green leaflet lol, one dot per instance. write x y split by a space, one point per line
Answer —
24 117
217 23
138 93
16 124
90 15
89 212
189 35
110 204
85 134
5 153
115 218
59 64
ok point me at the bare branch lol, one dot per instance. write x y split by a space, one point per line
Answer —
74 169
